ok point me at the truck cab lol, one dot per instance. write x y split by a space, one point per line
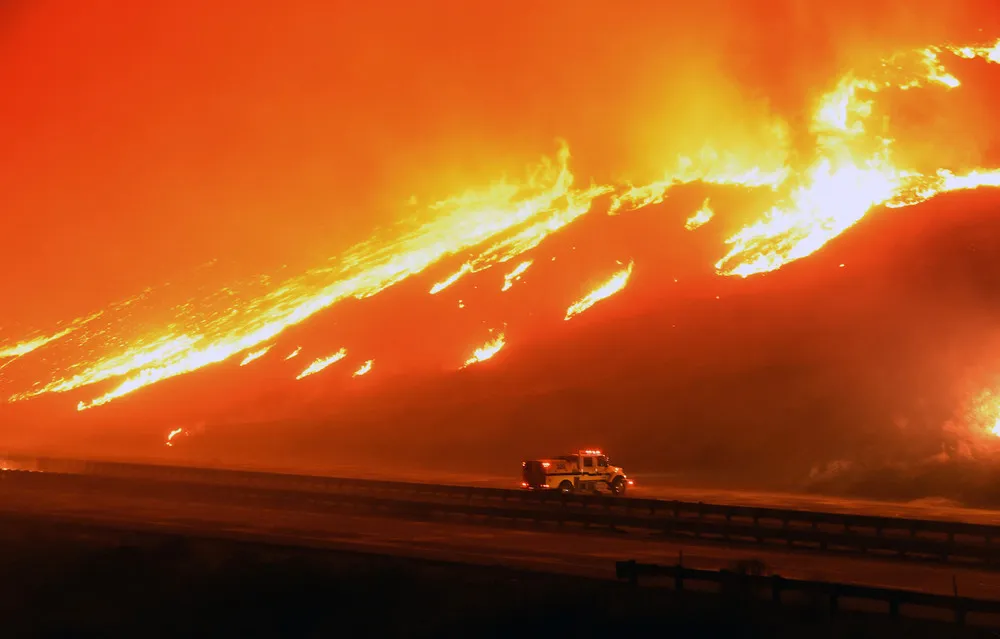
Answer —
587 470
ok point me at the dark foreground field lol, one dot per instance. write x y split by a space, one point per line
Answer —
73 580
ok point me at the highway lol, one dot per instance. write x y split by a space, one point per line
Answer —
648 485
141 505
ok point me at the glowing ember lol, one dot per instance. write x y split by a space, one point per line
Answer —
174 433
515 275
701 216
363 370
604 291
294 353
486 351
255 355
322 363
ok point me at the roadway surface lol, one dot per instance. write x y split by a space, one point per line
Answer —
648 485
572 550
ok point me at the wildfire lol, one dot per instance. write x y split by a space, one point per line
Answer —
851 171
701 216
487 350
364 369
616 283
255 355
711 167
294 353
983 412
854 171
322 363
515 275
507 218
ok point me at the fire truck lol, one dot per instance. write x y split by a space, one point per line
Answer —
587 470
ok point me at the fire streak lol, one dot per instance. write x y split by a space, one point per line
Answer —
30 345
451 279
294 353
487 350
255 355
701 216
515 275
322 363
364 369
174 433
616 283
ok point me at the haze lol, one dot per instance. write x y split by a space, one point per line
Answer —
202 146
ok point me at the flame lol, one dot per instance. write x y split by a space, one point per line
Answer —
451 279
851 171
507 218
487 350
255 355
294 353
515 275
616 283
701 216
174 433
712 167
33 344
322 363
363 370
25 347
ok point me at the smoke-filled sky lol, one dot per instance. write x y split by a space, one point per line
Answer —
143 140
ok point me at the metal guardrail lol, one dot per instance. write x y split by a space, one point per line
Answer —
902 537
834 592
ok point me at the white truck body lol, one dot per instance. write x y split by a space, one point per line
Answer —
587 470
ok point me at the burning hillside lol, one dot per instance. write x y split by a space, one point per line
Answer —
488 279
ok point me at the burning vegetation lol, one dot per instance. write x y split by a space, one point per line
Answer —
811 180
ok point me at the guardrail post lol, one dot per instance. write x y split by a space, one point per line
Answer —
776 588
679 578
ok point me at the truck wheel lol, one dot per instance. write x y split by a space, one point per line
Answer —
618 486
566 487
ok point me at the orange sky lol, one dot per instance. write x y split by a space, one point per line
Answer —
143 141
